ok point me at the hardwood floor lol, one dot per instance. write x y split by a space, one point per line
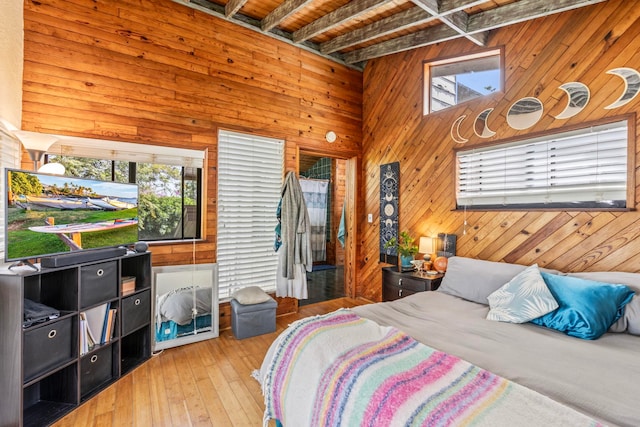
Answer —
203 384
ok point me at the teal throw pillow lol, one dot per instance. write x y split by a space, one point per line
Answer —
523 298
587 308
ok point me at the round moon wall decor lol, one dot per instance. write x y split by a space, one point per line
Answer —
578 94
525 113
631 86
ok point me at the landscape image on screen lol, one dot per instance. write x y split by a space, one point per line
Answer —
49 214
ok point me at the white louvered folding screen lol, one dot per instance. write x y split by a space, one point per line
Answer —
250 170
581 168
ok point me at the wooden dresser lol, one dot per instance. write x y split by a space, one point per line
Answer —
397 285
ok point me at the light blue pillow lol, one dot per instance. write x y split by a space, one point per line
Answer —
587 308
523 298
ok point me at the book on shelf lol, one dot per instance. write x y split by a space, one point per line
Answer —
84 347
97 325
91 339
111 324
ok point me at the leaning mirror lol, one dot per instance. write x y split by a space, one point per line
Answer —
186 304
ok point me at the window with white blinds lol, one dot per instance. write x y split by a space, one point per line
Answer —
584 168
9 158
250 170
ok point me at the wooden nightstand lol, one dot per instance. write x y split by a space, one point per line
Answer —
398 285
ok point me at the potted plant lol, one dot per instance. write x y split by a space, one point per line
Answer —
405 247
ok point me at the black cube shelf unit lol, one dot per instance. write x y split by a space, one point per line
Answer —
43 373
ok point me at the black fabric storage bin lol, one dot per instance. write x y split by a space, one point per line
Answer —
253 319
48 346
135 311
96 369
98 283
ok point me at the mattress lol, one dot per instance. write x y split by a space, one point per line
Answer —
599 378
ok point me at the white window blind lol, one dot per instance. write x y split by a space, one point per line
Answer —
9 158
250 170
581 168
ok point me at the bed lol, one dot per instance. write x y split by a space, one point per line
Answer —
368 365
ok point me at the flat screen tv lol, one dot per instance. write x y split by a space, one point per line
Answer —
49 215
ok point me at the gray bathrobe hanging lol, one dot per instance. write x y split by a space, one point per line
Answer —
295 228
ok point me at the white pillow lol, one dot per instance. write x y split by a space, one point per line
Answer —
251 295
523 298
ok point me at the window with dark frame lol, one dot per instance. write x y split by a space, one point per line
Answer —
170 196
585 168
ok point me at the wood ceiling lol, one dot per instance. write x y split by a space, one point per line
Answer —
352 32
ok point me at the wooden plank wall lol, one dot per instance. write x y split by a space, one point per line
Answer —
162 73
579 45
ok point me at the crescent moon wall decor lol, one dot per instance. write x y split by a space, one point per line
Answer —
527 111
579 97
631 79
524 113
455 130
480 126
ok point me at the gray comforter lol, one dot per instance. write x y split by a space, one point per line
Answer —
599 378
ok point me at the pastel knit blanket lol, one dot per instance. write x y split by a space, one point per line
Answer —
342 370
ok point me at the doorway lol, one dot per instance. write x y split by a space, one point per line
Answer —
327 280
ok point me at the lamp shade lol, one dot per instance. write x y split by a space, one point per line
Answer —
35 143
426 245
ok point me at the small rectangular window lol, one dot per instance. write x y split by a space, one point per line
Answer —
456 80
584 168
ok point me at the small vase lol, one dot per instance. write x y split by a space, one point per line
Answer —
405 261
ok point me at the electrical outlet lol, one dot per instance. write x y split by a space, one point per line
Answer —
370 218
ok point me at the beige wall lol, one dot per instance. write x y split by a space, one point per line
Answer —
11 52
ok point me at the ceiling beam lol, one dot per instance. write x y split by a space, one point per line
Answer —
402 20
522 10
232 7
482 22
457 20
282 12
456 5
253 24
433 35
349 11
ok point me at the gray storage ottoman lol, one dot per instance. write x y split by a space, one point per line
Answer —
253 319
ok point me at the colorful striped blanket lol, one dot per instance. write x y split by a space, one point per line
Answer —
343 370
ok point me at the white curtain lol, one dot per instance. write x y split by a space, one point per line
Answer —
315 197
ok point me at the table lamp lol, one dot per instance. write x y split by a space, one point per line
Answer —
426 247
